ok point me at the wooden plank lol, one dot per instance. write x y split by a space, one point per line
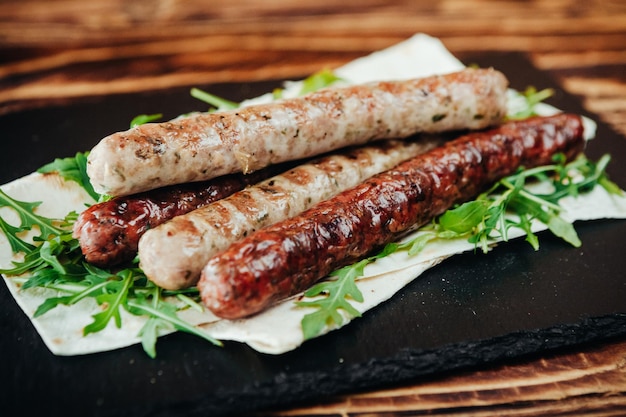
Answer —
590 382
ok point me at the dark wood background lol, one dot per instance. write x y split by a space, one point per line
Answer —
55 51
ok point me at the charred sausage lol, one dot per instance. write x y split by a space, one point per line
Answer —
288 257
209 145
173 254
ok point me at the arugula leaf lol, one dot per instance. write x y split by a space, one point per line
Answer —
465 217
564 230
162 316
336 297
67 300
217 103
112 299
17 244
52 302
28 221
72 169
150 332
318 80
51 260
532 97
142 119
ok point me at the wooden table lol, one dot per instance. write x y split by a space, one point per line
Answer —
53 52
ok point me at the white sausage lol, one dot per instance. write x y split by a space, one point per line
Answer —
208 145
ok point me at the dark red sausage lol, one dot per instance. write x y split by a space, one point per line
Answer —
287 258
109 232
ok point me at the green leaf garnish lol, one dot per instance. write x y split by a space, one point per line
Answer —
162 316
216 103
54 261
318 80
72 169
29 220
532 97
463 218
336 293
112 299
67 300
17 245
144 118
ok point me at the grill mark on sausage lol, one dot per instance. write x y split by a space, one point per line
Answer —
208 145
288 257
172 255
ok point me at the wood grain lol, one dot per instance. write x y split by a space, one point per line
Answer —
52 52
588 382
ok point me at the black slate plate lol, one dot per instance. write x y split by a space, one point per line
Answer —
469 311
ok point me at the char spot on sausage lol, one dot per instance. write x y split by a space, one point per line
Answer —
298 176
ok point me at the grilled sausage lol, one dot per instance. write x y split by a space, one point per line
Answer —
173 254
288 257
109 232
208 145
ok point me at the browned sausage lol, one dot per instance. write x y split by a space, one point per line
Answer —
290 256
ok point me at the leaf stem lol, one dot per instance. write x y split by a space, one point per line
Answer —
182 325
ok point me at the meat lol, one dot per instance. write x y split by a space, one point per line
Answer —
173 254
209 145
288 257
109 232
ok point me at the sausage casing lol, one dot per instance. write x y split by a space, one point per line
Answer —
209 145
173 254
288 257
